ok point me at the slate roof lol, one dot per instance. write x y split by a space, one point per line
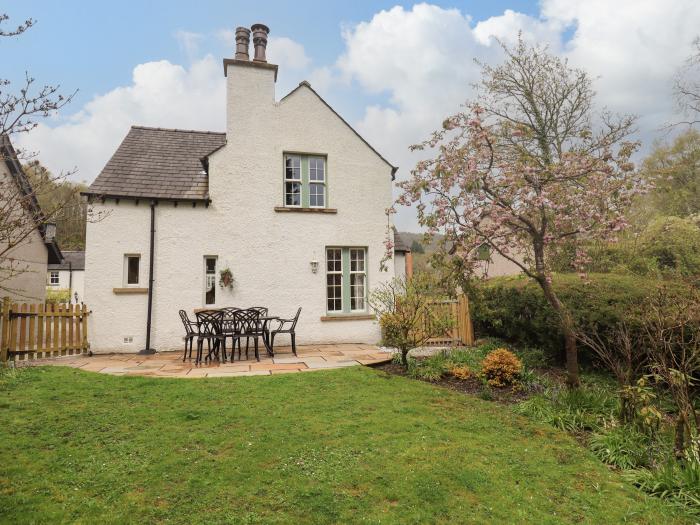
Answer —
159 163
400 243
9 155
71 261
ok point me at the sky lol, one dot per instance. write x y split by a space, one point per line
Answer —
393 70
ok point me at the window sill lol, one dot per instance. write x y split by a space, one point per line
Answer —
127 291
305 210
348 317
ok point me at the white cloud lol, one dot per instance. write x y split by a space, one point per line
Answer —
286 53
406 69
161 94
507 26
227 37
423 59
189 42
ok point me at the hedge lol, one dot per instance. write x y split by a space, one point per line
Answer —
514 308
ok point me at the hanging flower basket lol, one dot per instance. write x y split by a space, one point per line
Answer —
226 279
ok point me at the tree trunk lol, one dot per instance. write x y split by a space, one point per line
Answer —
566 323
404 357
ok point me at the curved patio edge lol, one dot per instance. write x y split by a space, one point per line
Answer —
170 364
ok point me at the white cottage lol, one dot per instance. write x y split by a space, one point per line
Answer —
68 275
290 199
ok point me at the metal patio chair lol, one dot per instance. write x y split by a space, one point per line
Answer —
209 326
286 326
191 331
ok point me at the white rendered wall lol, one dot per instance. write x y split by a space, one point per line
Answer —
64 283
22 269
400 264
268 252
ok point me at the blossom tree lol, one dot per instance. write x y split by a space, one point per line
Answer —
523 170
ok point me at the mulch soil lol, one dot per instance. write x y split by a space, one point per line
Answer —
474 385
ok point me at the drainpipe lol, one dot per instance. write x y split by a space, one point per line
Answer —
148 349
70 281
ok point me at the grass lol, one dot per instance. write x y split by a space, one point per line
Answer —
345 446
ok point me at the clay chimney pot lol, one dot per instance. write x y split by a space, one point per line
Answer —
260 33
242 43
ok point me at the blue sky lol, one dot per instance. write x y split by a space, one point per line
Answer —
94 46
394 70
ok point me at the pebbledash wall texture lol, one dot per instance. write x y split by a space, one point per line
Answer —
245 226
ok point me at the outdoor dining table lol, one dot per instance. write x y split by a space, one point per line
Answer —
265 332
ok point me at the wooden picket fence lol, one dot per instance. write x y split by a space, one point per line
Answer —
462 331
33 331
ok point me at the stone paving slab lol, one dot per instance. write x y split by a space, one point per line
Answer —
170 364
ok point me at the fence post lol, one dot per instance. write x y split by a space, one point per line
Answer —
84 320
5 329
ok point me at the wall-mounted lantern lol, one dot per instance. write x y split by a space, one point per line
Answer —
314 266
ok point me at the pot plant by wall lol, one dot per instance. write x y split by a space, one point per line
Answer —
226 279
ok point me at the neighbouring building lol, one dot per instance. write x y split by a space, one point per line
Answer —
27 240
403 257
290 199
68 276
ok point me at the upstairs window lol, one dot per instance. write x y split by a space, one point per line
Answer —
292 180
305 181
317 182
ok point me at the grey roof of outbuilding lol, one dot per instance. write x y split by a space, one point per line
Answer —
72 260
159 163
399 243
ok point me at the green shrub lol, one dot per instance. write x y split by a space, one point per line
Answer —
572 410
532 357
676 482
471 357
514 308
429 369
665 246
621 446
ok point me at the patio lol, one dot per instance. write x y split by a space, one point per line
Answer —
170 364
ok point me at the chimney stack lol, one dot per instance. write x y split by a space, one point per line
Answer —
260 33
242 43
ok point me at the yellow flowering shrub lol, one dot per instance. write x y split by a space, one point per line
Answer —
501 368
461 372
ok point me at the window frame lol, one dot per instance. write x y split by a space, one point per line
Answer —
51 276
321 182
334 273
206 275
346 280
127 258
300 180
305 179
363 273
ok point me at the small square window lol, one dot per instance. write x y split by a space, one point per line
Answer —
53 278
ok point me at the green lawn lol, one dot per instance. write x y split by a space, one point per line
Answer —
343 446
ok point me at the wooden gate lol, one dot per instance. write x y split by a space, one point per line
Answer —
32 331
462 332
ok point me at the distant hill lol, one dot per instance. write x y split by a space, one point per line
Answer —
420 260
410 237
